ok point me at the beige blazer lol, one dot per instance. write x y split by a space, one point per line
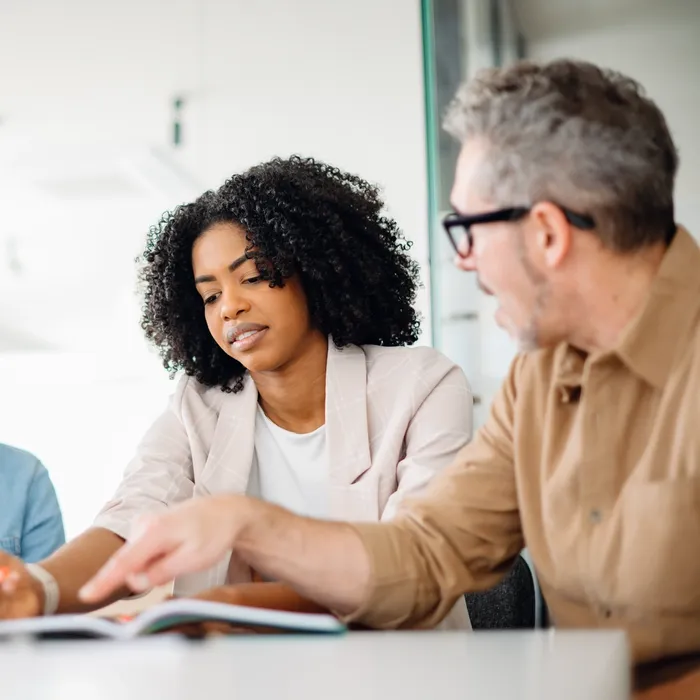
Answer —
395 417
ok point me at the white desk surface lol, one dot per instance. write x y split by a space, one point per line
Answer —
541 665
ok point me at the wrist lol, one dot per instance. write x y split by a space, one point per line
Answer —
251 517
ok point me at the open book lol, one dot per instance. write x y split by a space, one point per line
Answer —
167 615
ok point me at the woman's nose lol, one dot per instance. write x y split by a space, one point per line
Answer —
233 304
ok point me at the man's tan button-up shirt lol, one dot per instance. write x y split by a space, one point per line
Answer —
593 462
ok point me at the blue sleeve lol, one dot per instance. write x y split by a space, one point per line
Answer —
43 523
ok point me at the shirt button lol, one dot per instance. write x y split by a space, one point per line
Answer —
595 516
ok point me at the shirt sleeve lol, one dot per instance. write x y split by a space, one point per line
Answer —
42 533
461 535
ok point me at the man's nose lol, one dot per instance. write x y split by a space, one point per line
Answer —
465 262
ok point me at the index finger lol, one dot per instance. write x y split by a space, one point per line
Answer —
127 564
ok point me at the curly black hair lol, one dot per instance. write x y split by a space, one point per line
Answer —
302 217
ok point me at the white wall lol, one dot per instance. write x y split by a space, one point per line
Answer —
82 418
84 106
86 98
661 50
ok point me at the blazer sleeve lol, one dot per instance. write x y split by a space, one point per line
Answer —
441 426
462 534
159 475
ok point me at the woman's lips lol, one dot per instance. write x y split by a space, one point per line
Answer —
243 340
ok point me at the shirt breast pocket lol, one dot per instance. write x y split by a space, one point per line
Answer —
659 566
10 545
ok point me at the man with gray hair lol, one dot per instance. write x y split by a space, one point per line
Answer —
563 202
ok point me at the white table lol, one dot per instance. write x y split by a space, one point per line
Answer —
358 666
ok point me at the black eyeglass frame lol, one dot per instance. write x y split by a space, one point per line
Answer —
454 221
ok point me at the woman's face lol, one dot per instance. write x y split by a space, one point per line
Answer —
262 327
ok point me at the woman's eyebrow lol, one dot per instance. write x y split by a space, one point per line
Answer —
233 266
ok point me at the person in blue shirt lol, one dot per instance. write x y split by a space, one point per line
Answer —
31 524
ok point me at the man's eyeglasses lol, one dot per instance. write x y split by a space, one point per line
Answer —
458 227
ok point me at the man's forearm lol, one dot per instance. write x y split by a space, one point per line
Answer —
325 562
77 562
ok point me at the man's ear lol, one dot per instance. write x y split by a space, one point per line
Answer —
553 233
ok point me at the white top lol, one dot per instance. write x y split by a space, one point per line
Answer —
545 665
290 469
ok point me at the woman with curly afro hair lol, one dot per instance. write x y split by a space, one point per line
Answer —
285 299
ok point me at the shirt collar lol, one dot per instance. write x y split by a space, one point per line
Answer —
650 343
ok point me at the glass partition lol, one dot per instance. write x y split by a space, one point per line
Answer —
460 37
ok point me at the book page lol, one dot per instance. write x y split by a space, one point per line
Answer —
62 627
182 611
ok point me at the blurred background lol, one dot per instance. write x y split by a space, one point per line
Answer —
112 113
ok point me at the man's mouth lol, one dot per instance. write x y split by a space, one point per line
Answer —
484 288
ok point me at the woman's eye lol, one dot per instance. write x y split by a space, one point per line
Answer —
253 280
210 299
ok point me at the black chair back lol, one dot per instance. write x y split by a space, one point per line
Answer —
508 605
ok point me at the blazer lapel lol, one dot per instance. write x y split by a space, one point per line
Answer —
347 436
228 464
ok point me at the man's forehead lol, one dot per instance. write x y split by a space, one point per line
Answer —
466 196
